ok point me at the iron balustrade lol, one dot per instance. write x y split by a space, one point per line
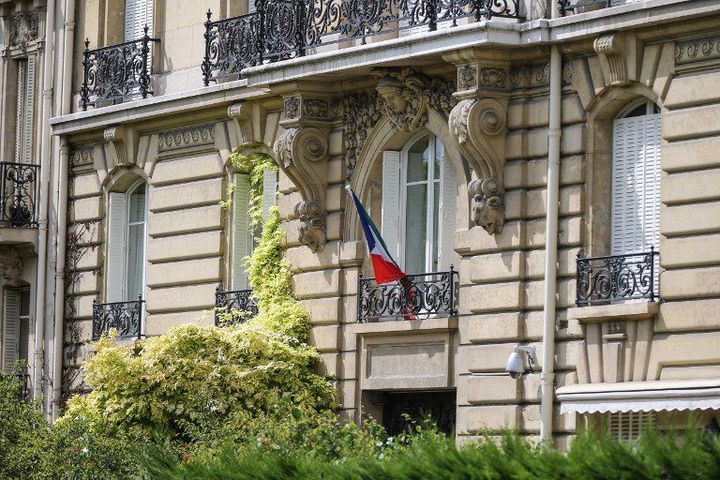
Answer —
418 296
234 306
601 280
572 5
124 317
19 194
282 29
23 379
116 72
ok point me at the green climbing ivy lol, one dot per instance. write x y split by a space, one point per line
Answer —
269 272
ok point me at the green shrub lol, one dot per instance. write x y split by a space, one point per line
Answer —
693 456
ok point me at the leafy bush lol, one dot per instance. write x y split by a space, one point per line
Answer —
199 384
694 456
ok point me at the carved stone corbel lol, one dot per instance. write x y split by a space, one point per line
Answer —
302 154
479 126
11 265
120 146
612 55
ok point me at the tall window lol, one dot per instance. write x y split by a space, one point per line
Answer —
636 180
245 234
25 111
15 328
418 211
126 244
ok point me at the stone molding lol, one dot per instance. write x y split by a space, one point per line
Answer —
302 154
697 50
82 155
186 137
361 112
479 126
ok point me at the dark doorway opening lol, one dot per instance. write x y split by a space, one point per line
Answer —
401 410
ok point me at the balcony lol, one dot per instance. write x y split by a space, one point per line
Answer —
123 317
581 6
283 29
19 194
116 73
422 296
618 278
234 306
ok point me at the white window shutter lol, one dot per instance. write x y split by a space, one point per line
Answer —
390 214
116 247
242 233
448 203
627 187
269 194
138 13
25 114
11 330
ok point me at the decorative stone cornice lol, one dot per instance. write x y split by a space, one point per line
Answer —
302 153
360 113
611 52
186 137
697 50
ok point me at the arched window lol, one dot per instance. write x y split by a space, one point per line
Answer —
635 206
418 206
126 244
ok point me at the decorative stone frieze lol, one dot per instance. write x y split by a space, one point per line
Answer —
24 28
81 156
697 50
479 127
304 108
611 52
537 75
11 265
186 137
302 153
360 113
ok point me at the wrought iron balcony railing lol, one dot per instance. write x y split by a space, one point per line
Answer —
282 29
117 72
19 194
23 379
234 306
419 296
124 317
602 280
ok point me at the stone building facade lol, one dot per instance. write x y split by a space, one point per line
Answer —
481 142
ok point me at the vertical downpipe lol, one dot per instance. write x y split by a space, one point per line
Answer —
547 377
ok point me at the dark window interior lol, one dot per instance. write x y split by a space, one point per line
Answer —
400 410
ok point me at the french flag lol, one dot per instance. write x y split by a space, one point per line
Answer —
385 267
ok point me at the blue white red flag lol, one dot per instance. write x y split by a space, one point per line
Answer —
385 267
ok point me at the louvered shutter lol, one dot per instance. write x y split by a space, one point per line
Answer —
390 213
11 330
448 203
116 247
269 195
25 112
138 13
636 186
242 233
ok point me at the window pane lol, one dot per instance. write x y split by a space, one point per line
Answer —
137 205
415 228
439 157
418 158
136 246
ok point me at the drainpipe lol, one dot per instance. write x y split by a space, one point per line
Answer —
62 193
45 150
547 377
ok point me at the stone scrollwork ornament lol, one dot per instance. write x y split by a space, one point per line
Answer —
479 126
302 154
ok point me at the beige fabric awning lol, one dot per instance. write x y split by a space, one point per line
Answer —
640 396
